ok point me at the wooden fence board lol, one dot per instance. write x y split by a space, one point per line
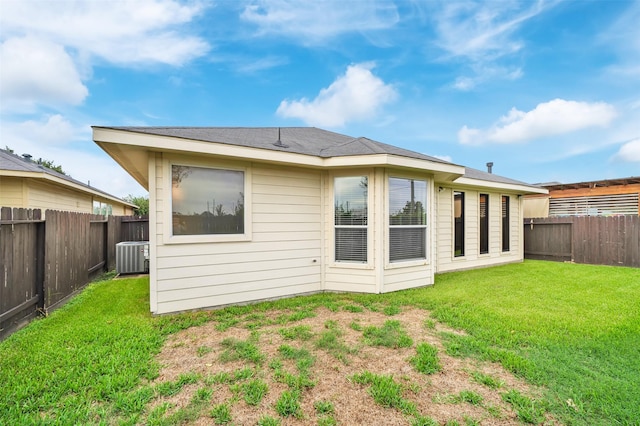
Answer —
601 240
44 262
20 267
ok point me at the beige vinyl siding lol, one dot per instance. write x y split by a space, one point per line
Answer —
282 257
401 278
472 258
12 192
45 196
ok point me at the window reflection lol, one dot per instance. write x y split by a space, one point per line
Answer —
207 201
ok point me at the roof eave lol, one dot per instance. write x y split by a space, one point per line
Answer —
481 183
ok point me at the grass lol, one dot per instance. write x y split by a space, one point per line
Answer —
390 335
574 330
385 391
426 360
71 366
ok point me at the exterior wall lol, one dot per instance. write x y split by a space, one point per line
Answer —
446 261
12 192
536 206
281 258
35 194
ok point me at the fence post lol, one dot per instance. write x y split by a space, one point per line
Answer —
40 255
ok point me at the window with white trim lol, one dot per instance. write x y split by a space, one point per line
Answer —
207 201
505 223
351 218
458 219
484 223
407 219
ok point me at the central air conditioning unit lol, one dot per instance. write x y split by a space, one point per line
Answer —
132 257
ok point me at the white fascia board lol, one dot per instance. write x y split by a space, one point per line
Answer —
524 189
394 161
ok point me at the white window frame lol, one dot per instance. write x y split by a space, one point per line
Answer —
204 238
346 263
429 248
509 221
488 220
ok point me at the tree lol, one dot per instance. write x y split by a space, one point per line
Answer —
42 162
50 165
141 202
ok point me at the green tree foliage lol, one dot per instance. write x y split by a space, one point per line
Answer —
141 202
50 165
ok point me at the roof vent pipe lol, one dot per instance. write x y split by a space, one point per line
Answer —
489 167
26 157
279 143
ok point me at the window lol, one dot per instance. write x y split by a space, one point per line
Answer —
101 208
407 219
207 201
351 218
458 219
484 223
505 223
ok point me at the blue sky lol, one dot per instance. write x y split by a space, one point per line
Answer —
546 90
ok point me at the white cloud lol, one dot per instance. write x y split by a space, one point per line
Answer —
629 152
38 71
482 33
443 157
57 139
52 130
356 95
124 32
49 47
555 117
623 38
316 21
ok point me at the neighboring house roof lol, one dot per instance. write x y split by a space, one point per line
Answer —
552 186
14 165
307 141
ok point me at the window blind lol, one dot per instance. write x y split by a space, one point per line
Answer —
351 218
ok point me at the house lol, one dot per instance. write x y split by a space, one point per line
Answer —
26 184
246 214
608 197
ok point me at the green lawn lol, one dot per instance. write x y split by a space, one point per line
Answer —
573 329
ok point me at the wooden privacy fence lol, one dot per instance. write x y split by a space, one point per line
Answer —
45 259
599 240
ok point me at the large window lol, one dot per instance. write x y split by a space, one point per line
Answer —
458 219
505 223
206 201
484 223
351 218
407 219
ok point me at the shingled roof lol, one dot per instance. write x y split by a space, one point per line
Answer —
16 163
303 140
298 140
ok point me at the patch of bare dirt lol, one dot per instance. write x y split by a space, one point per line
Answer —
433 395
